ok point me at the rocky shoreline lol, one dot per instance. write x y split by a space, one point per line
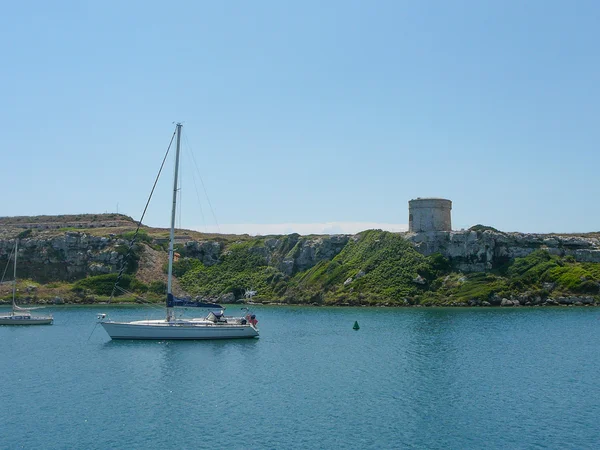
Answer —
503 302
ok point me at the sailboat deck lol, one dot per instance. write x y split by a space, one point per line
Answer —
182 322
25 319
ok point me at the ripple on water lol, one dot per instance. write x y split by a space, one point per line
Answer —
423 378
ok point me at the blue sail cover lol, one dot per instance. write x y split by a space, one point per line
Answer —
173 301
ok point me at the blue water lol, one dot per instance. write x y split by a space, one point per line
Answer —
409 378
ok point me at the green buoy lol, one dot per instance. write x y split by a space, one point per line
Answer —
356 327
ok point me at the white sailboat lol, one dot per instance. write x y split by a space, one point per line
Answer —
22 316
215 325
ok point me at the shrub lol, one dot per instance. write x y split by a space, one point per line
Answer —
481 228
184 265
104 284
142 236
133 259
24 234
158 287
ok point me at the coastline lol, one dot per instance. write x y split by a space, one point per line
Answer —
560 302
470 268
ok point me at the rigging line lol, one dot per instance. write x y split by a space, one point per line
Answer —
198 196
7 263
147 304
93 329
124 261
133 294
139 298
202 182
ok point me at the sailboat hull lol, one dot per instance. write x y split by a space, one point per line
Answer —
177 330
25 320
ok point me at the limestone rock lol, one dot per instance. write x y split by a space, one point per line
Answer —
63 257
309 251
208 252
98 269
419 280
472 251
227 298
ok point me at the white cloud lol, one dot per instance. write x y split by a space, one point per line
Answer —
301 228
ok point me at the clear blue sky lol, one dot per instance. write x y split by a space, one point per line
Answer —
305 112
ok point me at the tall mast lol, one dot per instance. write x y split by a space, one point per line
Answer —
172 235
15 275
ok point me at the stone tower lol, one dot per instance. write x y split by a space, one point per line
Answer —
429 214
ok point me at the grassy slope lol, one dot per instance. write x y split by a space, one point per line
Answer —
377 267
240 269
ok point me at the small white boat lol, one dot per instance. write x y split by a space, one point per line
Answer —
215 325
22 316
25 318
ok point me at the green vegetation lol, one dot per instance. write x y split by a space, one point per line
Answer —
108 217
372 268
132 256
482 228
540 267
378 267
103 284
184 265
158 287
240 269
532 276
477 286
142 236
24 234
381 267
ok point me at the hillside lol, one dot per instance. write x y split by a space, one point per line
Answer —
59 262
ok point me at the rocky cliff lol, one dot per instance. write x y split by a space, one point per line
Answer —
65 257
479 251
75 254
481 266
71 255
290 254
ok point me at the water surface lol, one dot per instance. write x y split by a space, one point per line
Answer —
409 378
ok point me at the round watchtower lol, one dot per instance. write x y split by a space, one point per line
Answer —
429 214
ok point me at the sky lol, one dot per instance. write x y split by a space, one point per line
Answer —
304 116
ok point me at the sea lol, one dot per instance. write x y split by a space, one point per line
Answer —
426 378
